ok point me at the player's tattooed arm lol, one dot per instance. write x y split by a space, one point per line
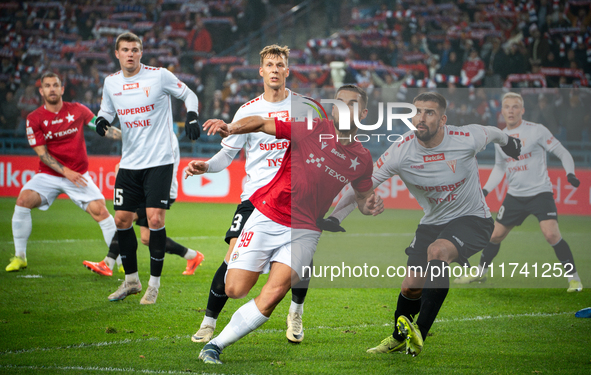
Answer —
74 177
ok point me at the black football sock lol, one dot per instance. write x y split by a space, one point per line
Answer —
217 293
407 307
434 293
114 247
299 291
128 249
157 245
175 248
489 253
565 256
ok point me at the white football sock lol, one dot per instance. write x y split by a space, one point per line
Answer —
191 254
296 308
119 262
208 321
245 320
110 262
109 228
574 276
154 281
22 225
132 277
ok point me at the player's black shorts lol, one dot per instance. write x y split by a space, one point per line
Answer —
514 210
142 216
150 186
242 214
469 234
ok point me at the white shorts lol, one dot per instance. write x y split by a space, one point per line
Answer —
263 241
49 187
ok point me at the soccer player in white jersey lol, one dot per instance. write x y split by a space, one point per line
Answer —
530 189
140 96
282 233
55 132
194 258
437 163
264 154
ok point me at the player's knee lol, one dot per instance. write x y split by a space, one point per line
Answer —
28 199
437 251
552 237
411 293
236 291
155 221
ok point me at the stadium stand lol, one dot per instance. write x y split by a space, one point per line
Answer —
470 50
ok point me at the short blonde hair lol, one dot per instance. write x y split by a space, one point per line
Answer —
275 50
512 95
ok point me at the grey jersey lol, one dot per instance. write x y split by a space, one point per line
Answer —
444 179
527 176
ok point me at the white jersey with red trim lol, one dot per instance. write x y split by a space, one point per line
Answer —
264 153
444 179
142 103
528 176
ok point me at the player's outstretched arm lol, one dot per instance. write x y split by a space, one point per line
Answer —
250 124
497 173
196 167
73 176
568 164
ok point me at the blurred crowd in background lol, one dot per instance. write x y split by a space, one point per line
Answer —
470 50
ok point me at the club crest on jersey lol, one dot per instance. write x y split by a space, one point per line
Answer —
313 160
452 165
45 122
147 91
435 157
131 86
235 256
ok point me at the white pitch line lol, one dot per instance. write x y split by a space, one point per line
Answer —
274 330
100 369
74 240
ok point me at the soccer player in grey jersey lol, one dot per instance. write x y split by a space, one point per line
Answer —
530 189
437 163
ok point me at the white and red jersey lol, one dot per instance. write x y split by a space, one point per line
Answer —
264 153
320 170
174 187
142 103
444 179
527 176
62 133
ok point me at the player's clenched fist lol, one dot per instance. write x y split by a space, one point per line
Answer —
196 167
513 148
102 125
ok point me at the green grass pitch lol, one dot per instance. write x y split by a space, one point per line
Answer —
55 317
